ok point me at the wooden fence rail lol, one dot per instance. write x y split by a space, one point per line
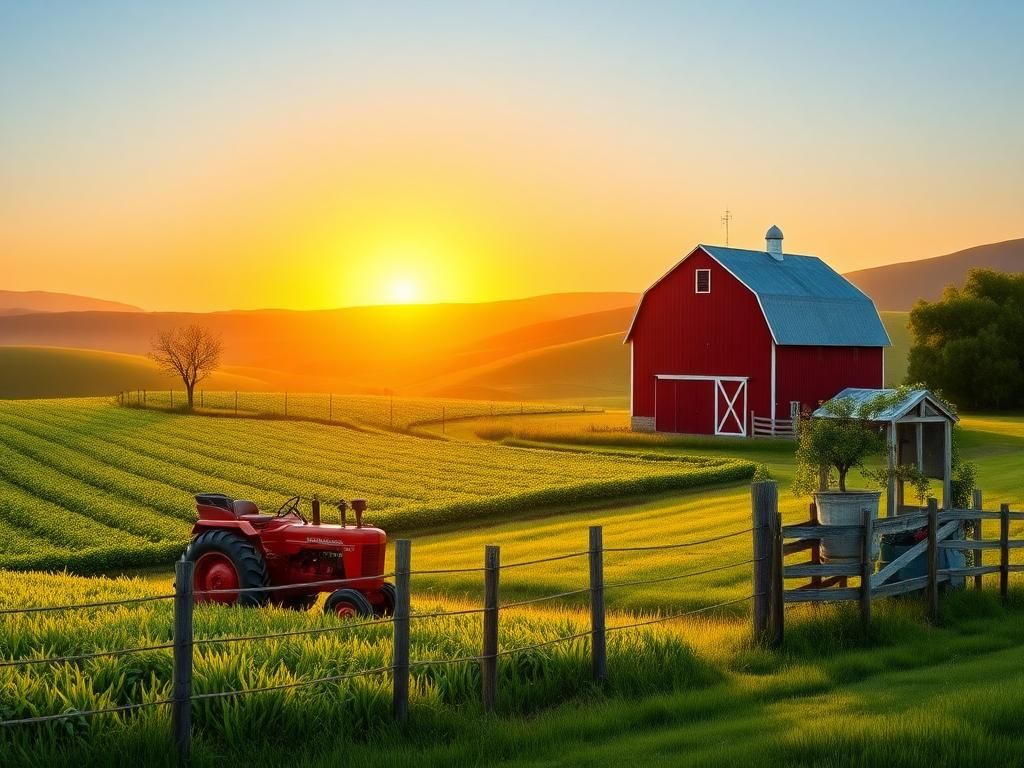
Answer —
829 582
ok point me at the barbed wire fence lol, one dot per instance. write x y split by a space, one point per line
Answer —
183 642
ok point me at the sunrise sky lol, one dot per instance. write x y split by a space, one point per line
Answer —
239 155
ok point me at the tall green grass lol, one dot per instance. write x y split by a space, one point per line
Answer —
640 660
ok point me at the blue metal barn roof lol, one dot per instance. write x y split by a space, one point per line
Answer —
805 301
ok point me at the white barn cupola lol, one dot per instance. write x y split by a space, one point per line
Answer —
773 240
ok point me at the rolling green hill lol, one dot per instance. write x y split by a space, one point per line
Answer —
39 372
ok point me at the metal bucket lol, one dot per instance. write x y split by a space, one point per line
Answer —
846 508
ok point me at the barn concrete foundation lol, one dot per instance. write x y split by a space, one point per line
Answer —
642 423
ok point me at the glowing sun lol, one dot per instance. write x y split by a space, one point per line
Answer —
404 290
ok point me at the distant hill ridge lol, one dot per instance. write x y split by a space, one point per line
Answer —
899 286
24 302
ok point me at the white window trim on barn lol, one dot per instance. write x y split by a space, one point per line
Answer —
730 402
696 280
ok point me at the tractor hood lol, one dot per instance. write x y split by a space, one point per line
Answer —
331 536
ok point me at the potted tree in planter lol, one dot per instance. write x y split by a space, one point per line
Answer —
828 449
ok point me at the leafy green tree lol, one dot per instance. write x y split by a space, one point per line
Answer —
970 344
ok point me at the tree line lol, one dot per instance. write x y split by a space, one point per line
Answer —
970 343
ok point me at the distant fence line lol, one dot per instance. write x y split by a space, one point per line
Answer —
379 410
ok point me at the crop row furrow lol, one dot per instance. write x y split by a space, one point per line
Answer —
214 454
154 494
52 523
49 482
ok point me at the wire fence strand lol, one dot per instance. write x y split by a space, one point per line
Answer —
538 561
83 713
680 545
86 656
293 684
676 577
283 587
682 614
533 600
85 606
294 632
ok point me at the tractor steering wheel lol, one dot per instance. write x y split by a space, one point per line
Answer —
291 507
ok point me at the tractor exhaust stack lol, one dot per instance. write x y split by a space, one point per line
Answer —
359 505
316 509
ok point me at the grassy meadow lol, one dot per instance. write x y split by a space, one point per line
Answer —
690 691
40 372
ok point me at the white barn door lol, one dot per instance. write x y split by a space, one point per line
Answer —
731 407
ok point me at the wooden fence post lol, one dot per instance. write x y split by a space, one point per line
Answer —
598 645
171 397
181 688
816 546
933 559
489 662
236 402
330 407
202 398
764 498
285 403
400 646
1004 550
778 583
979 554
442 419
865 571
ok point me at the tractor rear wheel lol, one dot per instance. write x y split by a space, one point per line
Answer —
226 561
347 604
389 597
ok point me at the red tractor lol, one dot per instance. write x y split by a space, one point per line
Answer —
235 546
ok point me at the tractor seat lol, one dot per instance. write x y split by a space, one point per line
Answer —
244 509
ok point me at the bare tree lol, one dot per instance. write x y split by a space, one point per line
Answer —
193 352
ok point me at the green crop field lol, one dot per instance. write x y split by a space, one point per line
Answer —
91 486
691 691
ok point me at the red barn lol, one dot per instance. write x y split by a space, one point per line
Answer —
730 335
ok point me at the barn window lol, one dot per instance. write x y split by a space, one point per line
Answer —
703 281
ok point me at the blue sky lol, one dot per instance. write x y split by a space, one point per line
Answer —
603 136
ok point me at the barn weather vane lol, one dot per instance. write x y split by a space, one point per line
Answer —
726 218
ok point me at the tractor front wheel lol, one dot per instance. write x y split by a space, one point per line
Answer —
348 604
225 562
